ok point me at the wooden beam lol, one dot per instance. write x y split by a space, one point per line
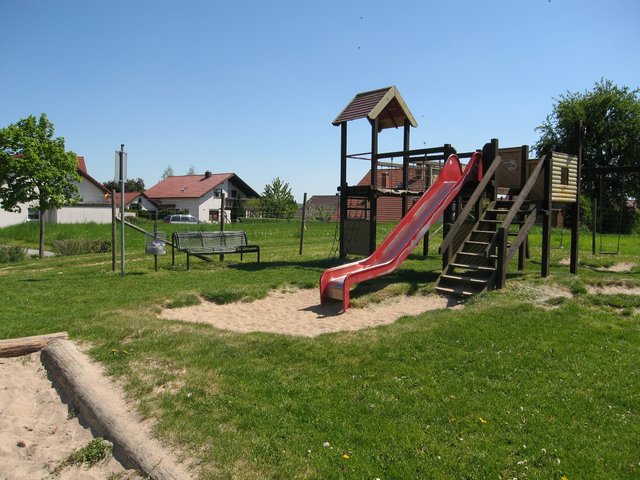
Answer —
575 224
343 186
93 397
16 347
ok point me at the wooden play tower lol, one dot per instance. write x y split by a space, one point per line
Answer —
384 109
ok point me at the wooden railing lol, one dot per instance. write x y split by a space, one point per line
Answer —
505 252
517 204
447 241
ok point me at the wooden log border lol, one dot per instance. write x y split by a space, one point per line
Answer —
16 347
91 395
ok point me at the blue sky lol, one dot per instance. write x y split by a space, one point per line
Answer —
251 87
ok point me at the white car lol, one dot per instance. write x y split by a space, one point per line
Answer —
181 219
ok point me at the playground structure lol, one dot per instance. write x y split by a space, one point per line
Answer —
478 242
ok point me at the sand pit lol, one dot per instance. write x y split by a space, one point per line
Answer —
36 430
299 313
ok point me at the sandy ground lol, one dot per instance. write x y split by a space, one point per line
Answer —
299 313
36 430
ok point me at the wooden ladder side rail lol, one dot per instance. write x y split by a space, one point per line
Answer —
522 234
505 253
524 193
475 196
515 208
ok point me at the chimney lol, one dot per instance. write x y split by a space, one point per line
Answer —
207 174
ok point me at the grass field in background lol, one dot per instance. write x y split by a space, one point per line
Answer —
515 384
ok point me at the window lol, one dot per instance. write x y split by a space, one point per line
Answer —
217 193
33 215
564 175
234 193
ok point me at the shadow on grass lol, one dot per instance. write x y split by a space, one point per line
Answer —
311 264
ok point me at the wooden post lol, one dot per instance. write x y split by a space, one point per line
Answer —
304 210
405 167
501 261
594 224
446 225
575 225
343 185
546 218
489 152
114 235
524 156
373 189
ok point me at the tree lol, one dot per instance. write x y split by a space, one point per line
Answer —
611 138
168 172
35 168
192 170
130 185
277 200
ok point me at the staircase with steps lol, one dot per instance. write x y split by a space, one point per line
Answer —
474 265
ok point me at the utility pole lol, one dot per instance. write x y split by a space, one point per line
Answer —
121 157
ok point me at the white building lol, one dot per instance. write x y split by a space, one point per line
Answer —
200 195
93 205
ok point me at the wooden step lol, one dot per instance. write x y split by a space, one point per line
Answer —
464 279
481 268
481 236
460 291
476 243
476 255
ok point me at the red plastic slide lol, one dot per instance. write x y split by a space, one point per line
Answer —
336 282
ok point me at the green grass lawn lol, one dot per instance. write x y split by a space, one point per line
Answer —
509 386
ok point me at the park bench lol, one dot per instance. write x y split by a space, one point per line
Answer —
200 244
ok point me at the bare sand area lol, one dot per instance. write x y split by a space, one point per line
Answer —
299 313
37 432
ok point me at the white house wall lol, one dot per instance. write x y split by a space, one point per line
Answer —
145 204
90 193
80 214
11 218
198 207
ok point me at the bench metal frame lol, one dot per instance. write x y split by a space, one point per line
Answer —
200 244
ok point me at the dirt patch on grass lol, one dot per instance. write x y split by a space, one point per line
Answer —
299 313
620 267
613 289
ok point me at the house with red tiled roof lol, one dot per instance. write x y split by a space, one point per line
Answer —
202 195
136 200
92 207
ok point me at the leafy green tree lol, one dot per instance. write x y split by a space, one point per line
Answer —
168 172
277 200
35 168
130 185
611 138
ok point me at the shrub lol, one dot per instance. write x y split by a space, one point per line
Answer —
79 246
266 220
10 254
